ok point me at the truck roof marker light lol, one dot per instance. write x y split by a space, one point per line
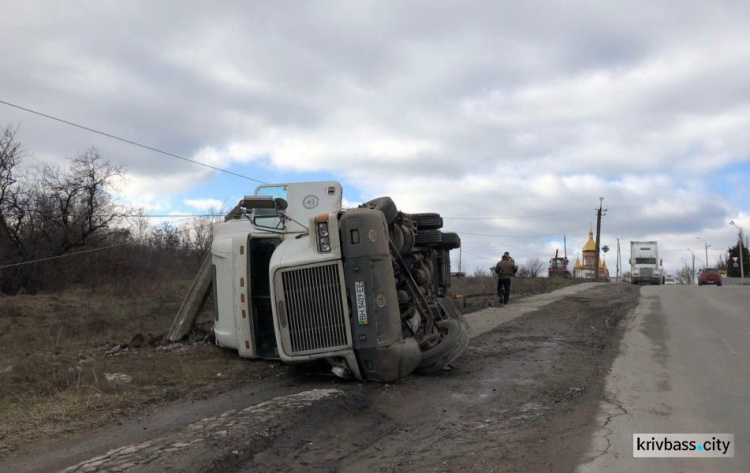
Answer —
242 282
242 249
321 218
247 344
242 298
244 314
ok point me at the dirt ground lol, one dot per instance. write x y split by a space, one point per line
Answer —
84 358
79 359
480 292
521 398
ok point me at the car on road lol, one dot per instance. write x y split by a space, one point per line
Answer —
670 281
709 276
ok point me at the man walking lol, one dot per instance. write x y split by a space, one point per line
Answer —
505 269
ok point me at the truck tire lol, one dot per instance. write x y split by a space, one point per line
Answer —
427 221
385 205
408 240
428 237
455 339
451 241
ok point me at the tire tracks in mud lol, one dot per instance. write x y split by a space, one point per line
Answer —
523 397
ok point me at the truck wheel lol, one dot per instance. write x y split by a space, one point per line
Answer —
408 240
451 241
428 237
454 341
385 205
427 221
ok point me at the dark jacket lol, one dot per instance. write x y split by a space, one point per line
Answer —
505 269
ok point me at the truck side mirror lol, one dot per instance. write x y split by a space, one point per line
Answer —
281 204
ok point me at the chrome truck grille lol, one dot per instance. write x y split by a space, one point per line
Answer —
313 309
647 272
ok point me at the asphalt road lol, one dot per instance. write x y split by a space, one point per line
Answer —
683 367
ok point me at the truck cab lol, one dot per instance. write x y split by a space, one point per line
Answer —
645 264
298 278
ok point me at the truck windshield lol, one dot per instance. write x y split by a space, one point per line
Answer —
645 261
268 217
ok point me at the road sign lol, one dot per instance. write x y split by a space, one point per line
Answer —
735 258
736 264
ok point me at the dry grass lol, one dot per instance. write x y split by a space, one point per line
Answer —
53 364
480 291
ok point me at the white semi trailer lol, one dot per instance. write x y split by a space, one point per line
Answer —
298 278
645 264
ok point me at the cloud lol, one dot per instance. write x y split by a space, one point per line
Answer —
478 109
205 204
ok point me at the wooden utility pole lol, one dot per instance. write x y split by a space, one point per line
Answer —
599 213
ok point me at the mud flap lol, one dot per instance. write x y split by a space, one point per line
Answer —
391 363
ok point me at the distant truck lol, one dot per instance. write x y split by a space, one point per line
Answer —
558 267
645 264
298 278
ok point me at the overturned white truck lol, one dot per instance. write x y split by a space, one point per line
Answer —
297 278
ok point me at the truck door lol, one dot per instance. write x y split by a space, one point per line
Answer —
259 259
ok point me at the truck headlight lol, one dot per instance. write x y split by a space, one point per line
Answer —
324 239
324 244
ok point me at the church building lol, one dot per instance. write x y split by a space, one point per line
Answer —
585 269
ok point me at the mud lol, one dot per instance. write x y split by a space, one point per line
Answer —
522 397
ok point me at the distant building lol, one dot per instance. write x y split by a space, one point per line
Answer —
585 269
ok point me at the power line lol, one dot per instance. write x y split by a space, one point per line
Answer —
62 256
135 215
134 143
123 215
92 250
480 256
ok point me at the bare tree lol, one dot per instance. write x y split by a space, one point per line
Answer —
11 154
139 225
721 262
684 275
199 231
482 273
74 207
51 211
166 238
532 269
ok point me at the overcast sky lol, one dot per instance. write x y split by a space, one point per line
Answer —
509 118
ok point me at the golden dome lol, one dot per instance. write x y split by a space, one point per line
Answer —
578 264
604 264
590 245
